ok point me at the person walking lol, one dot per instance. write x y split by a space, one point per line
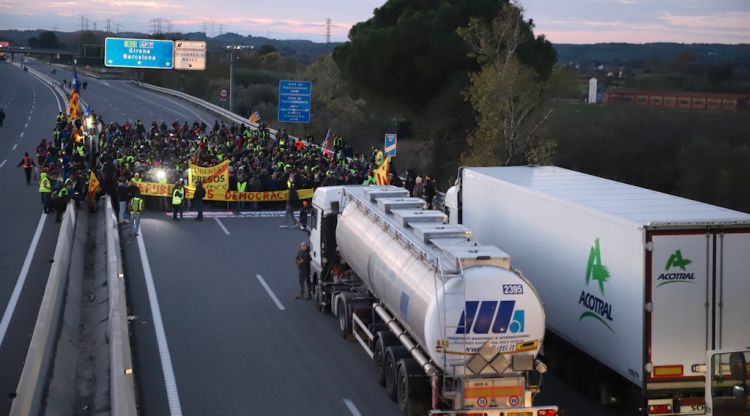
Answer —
60 200
198 195
303 270
2 116
136 209
27 163
178 194
303 212
45 189
122 201
292 200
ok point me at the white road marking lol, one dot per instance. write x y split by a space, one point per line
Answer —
21 279
352 407
221 224
270 292
161 338
15 146
105 83
29 117
26 125
3 164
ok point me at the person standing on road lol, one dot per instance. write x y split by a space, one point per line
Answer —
122 201
303 212
27 163
198 196
45 189
292 200
60 200
2 116
178 194
136 209
303 269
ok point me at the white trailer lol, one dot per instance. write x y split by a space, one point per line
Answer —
452 329
644 283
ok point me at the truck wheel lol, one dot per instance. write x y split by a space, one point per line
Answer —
392 355
342 312
412 387
383 340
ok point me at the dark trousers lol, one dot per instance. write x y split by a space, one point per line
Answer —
27 171
46 201
198 205
175 209
303 282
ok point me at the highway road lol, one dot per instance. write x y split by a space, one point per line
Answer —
216 328
28 236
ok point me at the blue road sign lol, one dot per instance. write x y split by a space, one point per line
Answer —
295 101
139 53
390 145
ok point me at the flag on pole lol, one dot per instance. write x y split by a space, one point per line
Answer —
254 118
73 110
327 144
381 174
93 186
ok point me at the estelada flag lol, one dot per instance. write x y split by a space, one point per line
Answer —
381 174
254 118
73 110
93 185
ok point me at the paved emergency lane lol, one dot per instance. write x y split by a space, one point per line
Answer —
28 237
233 349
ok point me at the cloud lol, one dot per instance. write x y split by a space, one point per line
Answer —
153 5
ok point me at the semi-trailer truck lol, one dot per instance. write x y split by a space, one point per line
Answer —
641 288
451 327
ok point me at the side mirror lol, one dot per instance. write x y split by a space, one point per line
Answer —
739 392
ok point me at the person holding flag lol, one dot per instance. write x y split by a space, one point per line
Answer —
73 110
91 194
381 174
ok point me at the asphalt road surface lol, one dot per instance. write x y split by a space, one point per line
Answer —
216 328
28 236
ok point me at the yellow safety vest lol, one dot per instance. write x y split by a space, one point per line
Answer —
241 186
44 185
177 196
136 205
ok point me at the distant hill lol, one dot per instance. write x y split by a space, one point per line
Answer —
620 53
302 48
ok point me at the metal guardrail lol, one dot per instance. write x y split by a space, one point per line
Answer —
121 383
53 84
32 383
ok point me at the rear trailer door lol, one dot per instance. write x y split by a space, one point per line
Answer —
733 290
680 296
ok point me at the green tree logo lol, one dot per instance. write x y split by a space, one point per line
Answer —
676 260
595 269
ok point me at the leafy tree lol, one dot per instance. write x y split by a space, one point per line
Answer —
265 49
507 95
46 39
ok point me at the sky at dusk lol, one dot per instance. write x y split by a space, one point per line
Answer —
568 21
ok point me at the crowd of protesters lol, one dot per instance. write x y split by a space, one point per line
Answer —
122 154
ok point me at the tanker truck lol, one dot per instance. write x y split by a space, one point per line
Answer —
451 327
648 294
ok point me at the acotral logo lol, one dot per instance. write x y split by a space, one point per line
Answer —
676 261
486 316
596 308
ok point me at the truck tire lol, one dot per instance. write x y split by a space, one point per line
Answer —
342 313
412 388
392 355
383 340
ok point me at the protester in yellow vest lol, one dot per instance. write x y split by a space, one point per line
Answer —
45 189
137 206
178 194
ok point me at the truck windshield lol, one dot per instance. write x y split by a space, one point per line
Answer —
729 383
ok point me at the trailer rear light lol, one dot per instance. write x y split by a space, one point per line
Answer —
547 412
668 370
660 409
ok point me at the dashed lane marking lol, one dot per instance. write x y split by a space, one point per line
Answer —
221 224
15 146
173 397
3 164
352 407
270 292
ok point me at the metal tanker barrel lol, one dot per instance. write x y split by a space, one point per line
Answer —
451 294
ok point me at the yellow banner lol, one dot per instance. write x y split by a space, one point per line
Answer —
165 189
213 177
